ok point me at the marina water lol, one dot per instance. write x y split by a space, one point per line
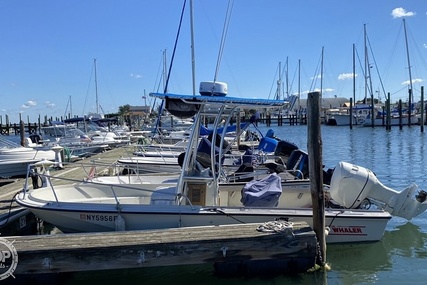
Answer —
398 157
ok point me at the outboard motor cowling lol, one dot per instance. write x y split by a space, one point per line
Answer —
352 184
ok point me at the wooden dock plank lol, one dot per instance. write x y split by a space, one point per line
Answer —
182 246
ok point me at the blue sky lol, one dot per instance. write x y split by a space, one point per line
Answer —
48 47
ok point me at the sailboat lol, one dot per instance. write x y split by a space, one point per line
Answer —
397 117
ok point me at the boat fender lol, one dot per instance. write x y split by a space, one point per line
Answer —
120 223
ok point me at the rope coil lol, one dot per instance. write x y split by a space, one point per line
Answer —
281 227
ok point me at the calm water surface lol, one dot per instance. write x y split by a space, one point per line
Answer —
397 157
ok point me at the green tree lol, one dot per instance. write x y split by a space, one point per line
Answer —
124 112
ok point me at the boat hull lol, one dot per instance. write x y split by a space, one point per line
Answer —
14 168
345 226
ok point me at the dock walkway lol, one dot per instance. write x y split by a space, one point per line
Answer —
231 249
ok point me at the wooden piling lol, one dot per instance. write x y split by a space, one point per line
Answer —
388 112
316 172
22 132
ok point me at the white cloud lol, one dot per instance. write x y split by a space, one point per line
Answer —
50 105
400 12
136 75
28 104
417 80
31 103
425 45
344 76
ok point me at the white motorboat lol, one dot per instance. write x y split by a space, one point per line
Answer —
341 116
13 151
395 120
15 168
14 159
197 200
74 141
161 157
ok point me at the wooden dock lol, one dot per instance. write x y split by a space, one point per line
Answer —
246 249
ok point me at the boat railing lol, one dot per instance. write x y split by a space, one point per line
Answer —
46 178
160 151
5 143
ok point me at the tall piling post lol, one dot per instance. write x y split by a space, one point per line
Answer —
22 132
316 173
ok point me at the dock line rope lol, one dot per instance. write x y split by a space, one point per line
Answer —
228 215
10 209
281 227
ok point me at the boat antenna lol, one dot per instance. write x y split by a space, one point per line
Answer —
224 35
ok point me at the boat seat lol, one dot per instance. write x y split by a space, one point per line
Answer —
164 196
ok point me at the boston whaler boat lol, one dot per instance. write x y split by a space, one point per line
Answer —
196 198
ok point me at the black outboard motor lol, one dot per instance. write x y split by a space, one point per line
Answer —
35 138
298 164
285 148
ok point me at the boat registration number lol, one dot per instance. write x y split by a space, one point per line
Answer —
98 218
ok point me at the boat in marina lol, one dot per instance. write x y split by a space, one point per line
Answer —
240 145
199 196
361 114
15 168
396 119
10 150
14 158
75 142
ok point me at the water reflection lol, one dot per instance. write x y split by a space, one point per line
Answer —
367 263
407 240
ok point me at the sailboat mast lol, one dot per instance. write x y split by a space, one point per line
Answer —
279 83
366 63
164 72
96 87
71 108
354 74
193 58
287 78
299 81
321 75
411 92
